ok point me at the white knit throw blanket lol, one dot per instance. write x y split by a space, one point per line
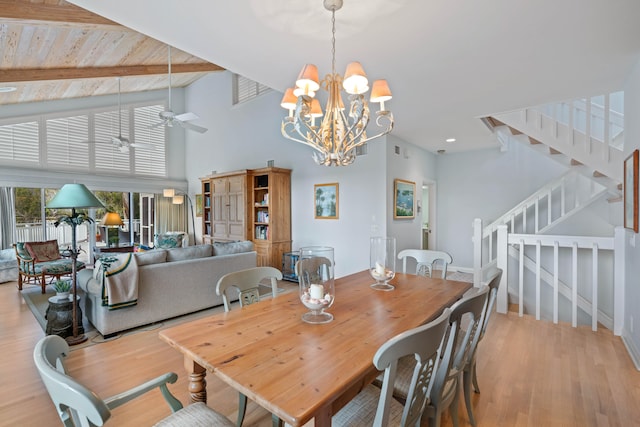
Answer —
118 276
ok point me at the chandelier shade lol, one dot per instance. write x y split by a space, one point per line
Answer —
341 129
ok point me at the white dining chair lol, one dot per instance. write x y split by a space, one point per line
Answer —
469 371
78 406
426 260
375 406
247 283
455 355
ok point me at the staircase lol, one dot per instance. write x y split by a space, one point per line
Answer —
580 133
594 155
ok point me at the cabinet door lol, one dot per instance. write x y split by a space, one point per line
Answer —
236 208
263 253
220 202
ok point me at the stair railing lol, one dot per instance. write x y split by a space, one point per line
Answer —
600 117
587 264
547 207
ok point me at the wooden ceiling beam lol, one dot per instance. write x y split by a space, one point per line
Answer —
41 74
24 11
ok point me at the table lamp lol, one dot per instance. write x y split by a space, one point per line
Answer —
74 196
111 219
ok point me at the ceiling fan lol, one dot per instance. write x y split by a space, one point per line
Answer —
120 141
169 118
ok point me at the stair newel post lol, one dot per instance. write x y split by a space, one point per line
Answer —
502 300
619 254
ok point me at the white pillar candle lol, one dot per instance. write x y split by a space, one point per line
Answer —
316 291
380 269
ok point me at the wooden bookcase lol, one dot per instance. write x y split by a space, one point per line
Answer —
253 204
271 214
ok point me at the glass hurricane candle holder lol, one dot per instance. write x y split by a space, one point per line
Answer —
383 262
316 278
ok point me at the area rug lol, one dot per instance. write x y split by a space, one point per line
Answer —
38 303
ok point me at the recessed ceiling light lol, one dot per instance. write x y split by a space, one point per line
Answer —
5 89
450 140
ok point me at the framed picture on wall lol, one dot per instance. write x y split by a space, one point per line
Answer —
404 193
326 199
631 191
198 205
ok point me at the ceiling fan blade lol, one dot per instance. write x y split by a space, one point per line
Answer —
185 117
96 142
140 145
193 127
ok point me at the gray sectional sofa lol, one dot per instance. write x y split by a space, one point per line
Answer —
171 282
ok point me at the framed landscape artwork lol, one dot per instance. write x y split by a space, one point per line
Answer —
631 191
198 205
326 199
403 199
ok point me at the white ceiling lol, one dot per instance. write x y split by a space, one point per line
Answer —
447 62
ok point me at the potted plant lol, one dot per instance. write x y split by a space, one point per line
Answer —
62 287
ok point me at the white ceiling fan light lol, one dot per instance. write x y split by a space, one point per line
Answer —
169 118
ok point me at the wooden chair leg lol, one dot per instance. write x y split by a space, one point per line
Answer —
43 283
19 280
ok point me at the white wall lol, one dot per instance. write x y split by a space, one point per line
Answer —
484 184
631 332
411 164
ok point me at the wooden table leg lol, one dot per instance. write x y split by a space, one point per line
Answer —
197 381
323 417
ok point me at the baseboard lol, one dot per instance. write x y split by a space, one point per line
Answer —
632 350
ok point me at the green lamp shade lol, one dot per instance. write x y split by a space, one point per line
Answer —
74 196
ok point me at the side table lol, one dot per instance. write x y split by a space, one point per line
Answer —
59 317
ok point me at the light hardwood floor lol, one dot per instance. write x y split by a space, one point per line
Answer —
530 373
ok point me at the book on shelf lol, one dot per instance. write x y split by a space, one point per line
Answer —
262 232
262 216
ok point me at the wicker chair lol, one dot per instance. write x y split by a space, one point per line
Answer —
31 268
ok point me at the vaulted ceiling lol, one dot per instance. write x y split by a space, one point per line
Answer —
448 63
51 49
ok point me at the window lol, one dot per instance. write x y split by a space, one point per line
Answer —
19 142
245 89
109 156
67 142
85 141
149 160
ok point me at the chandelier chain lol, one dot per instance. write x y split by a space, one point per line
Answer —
333 41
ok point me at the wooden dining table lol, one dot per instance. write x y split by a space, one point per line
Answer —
300 371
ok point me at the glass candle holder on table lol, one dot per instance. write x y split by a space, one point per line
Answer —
316 278
383 262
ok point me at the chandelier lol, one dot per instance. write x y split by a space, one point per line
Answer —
341 131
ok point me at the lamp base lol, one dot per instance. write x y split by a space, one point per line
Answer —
74 340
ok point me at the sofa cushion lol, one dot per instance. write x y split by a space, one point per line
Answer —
43 251
155 256
226 248
168 240
190 252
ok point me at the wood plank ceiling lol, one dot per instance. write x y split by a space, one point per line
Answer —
51 49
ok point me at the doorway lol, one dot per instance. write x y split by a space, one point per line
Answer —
428 215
